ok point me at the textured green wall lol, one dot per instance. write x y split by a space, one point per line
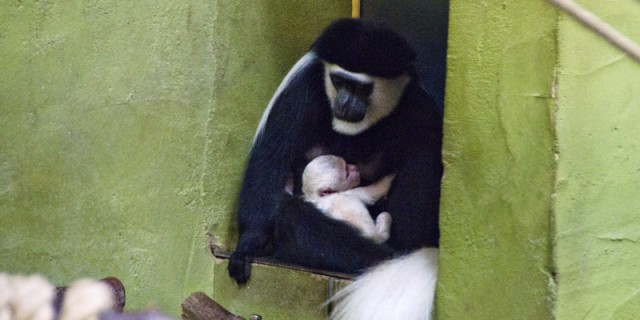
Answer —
598 205
104 108
124 127
498 154
540 205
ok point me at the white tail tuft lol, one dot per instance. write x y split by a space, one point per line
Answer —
402 288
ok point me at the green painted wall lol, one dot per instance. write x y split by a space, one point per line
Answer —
540 205
598 180
499 169
124 127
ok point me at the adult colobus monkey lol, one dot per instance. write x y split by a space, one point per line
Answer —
356 95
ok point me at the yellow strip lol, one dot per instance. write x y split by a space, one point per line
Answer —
355 8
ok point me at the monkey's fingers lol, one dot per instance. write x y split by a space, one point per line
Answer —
240 267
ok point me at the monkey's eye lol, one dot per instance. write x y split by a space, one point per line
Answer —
363 89
337 82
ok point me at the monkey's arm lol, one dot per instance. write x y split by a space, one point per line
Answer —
415 195
279 141
262 185
373 192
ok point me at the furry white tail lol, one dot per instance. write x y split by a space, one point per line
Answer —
402 288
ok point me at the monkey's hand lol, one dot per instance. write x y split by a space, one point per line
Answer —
240 266
386 181
373 192
382 186
252 244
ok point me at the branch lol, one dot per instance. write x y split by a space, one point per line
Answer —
600 27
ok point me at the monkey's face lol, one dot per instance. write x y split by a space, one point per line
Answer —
359 100
348 176
341 176
350 95
327 174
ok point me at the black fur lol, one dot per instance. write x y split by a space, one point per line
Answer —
408 141
315 247
365 48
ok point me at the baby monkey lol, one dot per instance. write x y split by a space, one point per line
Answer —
331 185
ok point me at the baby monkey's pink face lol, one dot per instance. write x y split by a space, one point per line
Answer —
348 176
328 174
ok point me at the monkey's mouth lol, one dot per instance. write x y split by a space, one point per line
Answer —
350 110
353 173
344 115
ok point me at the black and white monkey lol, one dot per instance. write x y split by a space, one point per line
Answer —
356 95
332 186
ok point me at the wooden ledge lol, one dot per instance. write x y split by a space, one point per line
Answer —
269 261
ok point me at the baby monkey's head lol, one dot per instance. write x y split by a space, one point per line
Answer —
328 174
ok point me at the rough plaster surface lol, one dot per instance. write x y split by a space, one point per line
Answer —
104 107
124 126
499 169
540 206
597 212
